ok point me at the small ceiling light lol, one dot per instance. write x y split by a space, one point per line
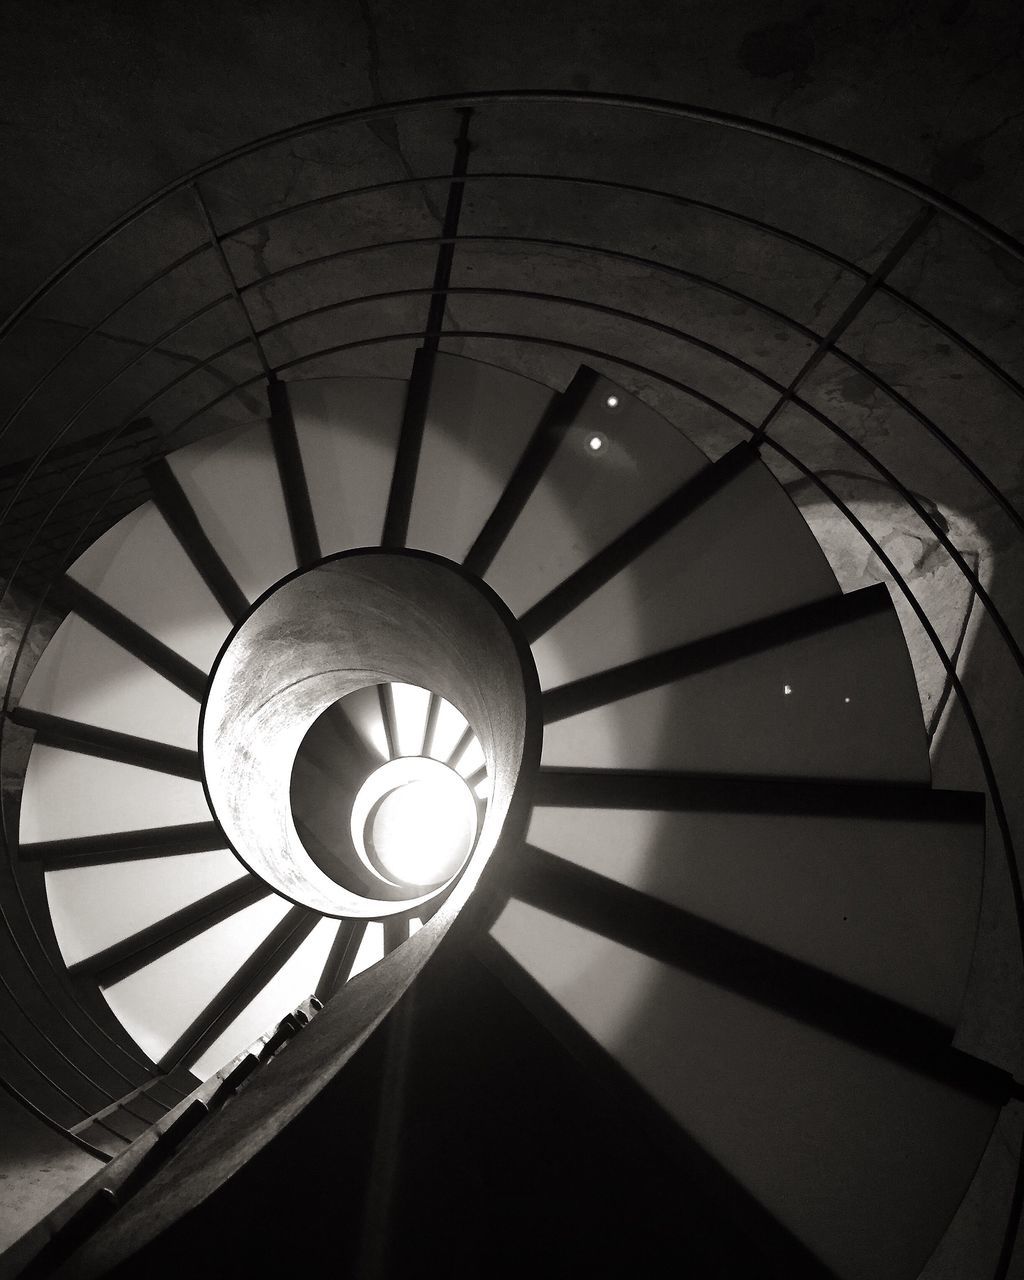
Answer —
846 699
596 443
611 402
787 688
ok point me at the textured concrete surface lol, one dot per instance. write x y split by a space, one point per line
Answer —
38 1169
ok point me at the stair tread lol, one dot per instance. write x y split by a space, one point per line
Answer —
347 430
814 1127
854 1149
838 704
95 907
479 421
84 676
68 796
119 568
890 903
744 554
232 484
190 976
585 498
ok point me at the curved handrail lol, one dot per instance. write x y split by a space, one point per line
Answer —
682 112
654 106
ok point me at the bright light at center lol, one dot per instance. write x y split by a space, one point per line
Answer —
416 819
420 833
595 444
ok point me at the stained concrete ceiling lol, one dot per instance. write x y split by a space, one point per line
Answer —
105 102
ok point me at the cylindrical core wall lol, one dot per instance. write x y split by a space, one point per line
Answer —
364 617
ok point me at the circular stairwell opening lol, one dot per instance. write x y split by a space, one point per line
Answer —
281 717
388 791
415 821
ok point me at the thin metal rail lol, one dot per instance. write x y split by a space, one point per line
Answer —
436 331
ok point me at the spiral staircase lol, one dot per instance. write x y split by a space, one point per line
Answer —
726 885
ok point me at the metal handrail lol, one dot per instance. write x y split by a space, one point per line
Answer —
653 106
929 198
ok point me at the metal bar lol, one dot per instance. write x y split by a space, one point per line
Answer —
155 346
561 413
196 367
700 793
87 739
850 313
234 1080
407 455
449 230
477 776
753 970
182 1089
133 953
651 106
900 488
292 472
180 515
410 440
93 329
668 268
288 1027
430 724
465 738
267 960
131 1096
621 551
685 389
229 276
69 453
166 1144
386 699
125 846
601 184
74 598
662 378
770 229
396 931
678 386
536 295
713 651
341 958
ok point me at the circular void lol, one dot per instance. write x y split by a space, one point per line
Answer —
356 620
366 780
415 821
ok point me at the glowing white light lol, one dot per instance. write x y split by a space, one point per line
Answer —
612 402
787 688
416 819
846 699
595 444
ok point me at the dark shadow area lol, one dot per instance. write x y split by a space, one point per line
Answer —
509 1163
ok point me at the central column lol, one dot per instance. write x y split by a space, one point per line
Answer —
365 618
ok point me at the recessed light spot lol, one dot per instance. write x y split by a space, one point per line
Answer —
596 443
